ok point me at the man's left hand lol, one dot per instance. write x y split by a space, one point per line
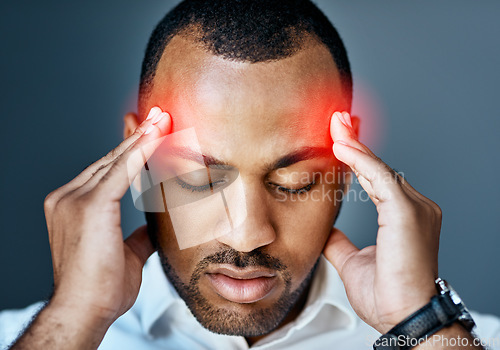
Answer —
386 282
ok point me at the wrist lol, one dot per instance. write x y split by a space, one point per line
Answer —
59 327
390 320
79 318
444 310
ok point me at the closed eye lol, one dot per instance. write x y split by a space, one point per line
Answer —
201 188
293 191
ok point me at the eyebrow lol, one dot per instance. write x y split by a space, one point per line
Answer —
189 154
300 155
304 153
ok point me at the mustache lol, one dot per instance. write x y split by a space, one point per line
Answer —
231 256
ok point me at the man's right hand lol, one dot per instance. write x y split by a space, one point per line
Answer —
97 275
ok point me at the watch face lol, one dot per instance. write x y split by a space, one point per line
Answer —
465 318
454 296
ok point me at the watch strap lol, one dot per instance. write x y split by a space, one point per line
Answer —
437 314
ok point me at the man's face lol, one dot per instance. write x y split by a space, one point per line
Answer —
270 122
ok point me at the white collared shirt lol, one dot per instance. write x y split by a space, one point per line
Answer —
161 320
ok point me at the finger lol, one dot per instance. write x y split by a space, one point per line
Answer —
413 192
383 182
341 130
125 168
92 181
140 244
339 249
97 166
103 170
117 151
365 184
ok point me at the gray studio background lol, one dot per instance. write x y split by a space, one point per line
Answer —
426 81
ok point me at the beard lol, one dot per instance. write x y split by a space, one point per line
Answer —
258 322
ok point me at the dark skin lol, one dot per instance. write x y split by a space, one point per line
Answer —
265 115
257 113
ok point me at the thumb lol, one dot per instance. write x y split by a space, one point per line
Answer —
339 249
140 244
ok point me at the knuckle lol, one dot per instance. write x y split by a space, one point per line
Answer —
382 166
433 208
102 166
138 131
439 211
105 178
436 207
50 201
113 153
431 211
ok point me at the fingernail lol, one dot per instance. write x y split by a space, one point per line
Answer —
153 112
149 129
159 117
338 142
341 118
347 118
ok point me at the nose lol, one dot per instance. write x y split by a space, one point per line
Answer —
256 229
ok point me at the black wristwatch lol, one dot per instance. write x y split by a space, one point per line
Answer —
444 309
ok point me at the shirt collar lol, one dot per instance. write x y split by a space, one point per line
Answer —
157 295
326 292
328 289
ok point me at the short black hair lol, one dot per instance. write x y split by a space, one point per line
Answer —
246 30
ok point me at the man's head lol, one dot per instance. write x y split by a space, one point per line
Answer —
258 81
246 31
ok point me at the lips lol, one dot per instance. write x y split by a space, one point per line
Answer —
244 286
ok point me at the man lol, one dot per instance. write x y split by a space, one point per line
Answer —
266 86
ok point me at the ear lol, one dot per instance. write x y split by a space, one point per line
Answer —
131 122
355 125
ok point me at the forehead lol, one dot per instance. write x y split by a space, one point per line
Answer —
242 110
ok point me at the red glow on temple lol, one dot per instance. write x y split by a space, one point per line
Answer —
367 106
